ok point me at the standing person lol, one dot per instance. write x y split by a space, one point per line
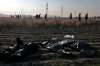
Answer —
39 15
70 16
36 16
86 17
45 16
79 16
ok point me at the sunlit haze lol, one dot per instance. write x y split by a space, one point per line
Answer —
31 7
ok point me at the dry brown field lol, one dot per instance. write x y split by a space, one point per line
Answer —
38 30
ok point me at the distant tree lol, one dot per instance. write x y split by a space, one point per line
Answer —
86 17
70 16
79 16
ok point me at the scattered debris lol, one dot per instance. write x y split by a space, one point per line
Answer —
66 46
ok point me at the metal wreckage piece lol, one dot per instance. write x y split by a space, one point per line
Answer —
65 45
19 51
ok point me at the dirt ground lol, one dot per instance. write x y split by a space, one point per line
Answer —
89 33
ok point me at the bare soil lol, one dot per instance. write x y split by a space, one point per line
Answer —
89 33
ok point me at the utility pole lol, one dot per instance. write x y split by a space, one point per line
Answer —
61 11
46 10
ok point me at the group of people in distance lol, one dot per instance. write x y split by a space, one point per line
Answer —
38 16
79 16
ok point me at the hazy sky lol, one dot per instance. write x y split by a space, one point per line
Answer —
54 7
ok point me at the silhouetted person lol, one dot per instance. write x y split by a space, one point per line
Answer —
70 16
12 16
37 16
86 17
18 16
79 16
45 16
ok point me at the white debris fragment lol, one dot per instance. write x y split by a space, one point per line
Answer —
69 36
